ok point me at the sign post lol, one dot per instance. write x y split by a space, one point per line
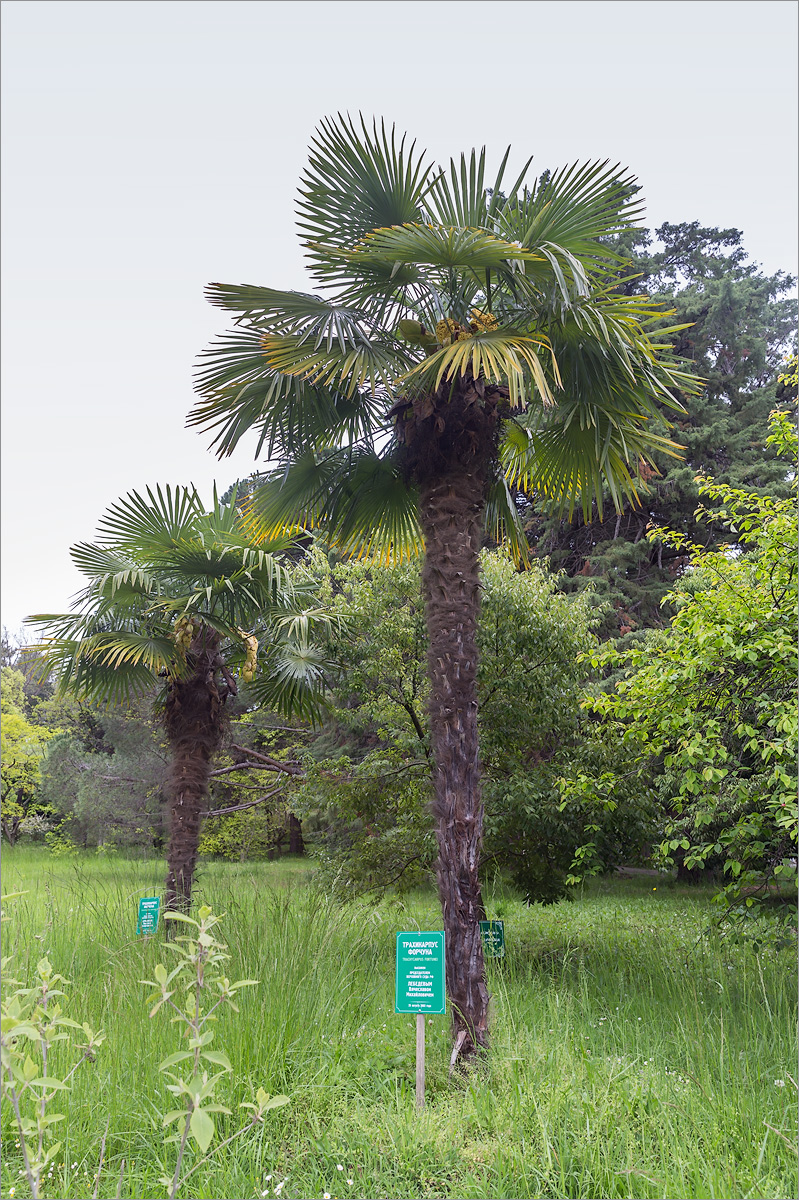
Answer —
420 987
148 915
493 935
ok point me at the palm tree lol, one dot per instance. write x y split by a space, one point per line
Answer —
462 340
179 601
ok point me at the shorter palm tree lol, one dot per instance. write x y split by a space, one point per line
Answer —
179 602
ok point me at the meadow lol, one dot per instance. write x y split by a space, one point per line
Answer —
634 1054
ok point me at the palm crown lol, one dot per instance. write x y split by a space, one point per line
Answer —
425 277
162 569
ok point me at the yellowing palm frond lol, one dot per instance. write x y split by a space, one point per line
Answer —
498 357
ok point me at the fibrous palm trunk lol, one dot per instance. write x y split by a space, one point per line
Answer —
193 720
451 447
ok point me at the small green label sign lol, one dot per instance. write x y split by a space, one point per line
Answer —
148 914
493 935
420 973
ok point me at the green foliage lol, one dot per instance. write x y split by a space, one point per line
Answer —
681 1075
163 570
23 746
243 835
112 798
200 980
430 276
33 1023
367 785
734 323
707 708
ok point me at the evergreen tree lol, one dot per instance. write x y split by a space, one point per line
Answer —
739 327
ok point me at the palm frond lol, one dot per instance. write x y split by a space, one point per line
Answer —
448 247
152 524
370 366
499 357
572 454
356 181
360 500
107 566
240 391
503 522
574 208
292 681
463 197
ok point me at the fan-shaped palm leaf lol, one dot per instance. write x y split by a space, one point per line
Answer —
462 197
341 492
574 208
241 392
356 181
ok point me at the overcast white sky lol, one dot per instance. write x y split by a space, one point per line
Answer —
152 146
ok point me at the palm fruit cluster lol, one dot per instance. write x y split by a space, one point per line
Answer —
447 330
482 322
183 631
250 657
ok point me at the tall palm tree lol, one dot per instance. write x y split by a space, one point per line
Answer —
180 601
462 339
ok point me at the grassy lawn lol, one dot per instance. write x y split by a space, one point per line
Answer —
632 1057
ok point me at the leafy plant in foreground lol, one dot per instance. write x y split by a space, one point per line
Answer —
200 975
33 1021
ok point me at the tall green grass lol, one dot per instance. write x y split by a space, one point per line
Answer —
632 1056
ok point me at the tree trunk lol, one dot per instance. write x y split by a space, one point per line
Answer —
451 580
296 844
193 720
11 829
451 447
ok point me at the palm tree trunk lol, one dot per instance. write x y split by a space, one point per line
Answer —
193 720
451 524
450 441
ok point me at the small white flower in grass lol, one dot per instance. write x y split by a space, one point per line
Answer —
350 1182
779 1083
74 1165
339 1167
325 1195
12 1191
267 1178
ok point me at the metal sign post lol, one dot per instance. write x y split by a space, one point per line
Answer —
420 987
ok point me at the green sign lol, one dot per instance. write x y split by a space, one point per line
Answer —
420 973
148 914
493 935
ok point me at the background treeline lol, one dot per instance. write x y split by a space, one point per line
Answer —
580 663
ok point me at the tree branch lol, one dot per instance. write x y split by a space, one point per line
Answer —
224 812
288 768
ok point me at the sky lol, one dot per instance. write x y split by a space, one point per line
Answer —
149 147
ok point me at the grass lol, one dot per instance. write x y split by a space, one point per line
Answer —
631 1056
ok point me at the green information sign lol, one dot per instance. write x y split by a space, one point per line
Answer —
420 973
148 914
493 935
